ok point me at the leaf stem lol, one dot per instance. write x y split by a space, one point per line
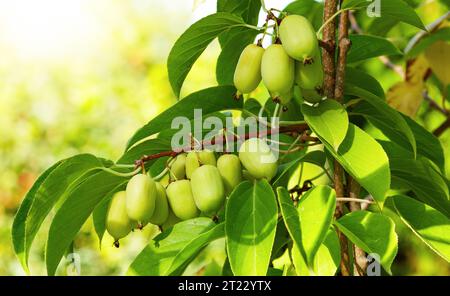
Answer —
130 174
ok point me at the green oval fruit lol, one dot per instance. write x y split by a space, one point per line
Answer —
258 159
298 37
141 196
247 75
285 98
161 206
178 168
118 224
191 163
230 169
207 188
311 95
309 76
179 194
207 157
171 220
277 70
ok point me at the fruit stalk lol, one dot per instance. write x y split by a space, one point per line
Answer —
297 128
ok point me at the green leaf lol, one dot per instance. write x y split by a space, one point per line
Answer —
367 46
208 100
390 9
424 180
247 9
145 147
309 222
18 229
250 225
73 213
426 222
316 157
381 26
362 80
101 211
229 56
310 9
326 261
157 257
365 160
441 34
300 7
372 232
40 200
380 114
329 120
428 145
185 256
193 42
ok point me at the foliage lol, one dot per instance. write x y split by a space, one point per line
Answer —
399 165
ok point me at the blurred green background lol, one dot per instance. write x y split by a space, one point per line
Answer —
82 76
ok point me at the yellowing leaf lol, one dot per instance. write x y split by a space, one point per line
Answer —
406 97
438 56
417 69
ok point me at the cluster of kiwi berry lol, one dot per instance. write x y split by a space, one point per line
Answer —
293 59
199 185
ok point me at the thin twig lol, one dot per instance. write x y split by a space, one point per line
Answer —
433 104
357 200
442 128
220 140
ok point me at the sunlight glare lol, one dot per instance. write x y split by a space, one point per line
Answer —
47 29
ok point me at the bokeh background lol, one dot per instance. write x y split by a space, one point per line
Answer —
82 76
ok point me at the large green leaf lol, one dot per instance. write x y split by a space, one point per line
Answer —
359 78
372 232
326 261
145 147
250 225
428 146
73 213
193 42
229 56
365 160
310 9
316 157
426 222
367 46
422 178
185 256
157 257
390 9
208 100
309 222
329 120
383 116
247 9
43 196
19 224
